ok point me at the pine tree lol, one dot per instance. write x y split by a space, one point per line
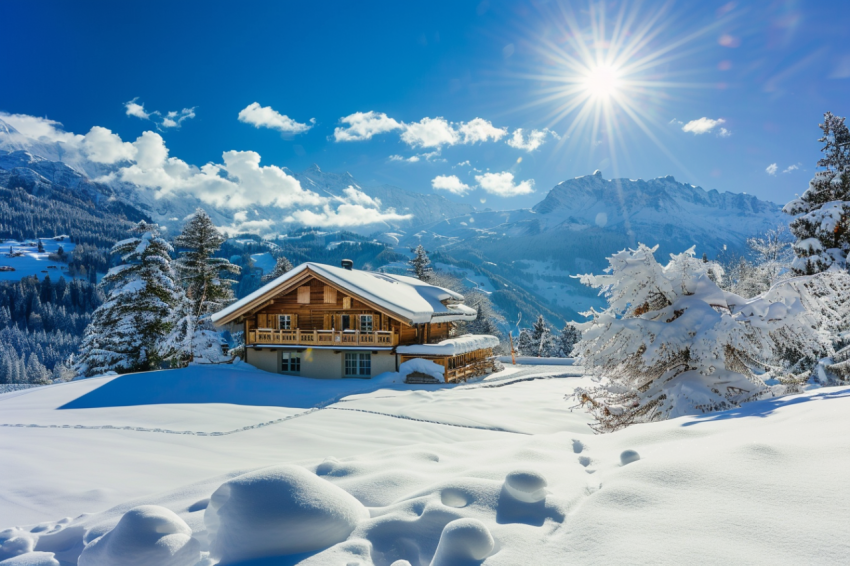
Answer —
672 343
822 223
201 273
537 341
193 336
420 265
281 267
566 340
126 331
40 246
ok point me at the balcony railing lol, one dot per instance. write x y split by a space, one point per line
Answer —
322 338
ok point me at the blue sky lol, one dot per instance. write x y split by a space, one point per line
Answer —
749 82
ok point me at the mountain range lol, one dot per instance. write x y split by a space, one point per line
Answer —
538 250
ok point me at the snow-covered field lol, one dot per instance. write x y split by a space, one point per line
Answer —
33 262
242 464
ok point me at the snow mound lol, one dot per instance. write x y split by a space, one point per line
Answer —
14 542
32 559
464 541
422 365
148 535
629 456
528 487
277 511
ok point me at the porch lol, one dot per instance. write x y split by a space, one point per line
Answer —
298 337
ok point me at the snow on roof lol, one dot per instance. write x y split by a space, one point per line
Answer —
410 298
452 347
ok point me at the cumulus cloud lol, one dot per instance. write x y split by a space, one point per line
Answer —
266 117
345 215
702 126
771 169
480 130
426 133
791 168
172 119
532 141
502 184
364 125
102 146
430 132
724 133
450 183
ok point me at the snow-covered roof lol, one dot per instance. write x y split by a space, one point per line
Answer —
412 300
452 347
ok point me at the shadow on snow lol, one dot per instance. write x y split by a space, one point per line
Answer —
767 407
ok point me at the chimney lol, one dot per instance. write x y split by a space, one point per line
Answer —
347 264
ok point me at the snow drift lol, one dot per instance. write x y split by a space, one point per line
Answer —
278 511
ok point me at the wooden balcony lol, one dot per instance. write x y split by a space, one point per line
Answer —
308 338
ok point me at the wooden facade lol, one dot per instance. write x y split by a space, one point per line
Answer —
322 329
313 312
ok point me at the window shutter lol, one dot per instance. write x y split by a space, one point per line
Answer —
304 295
263 320
346 302
294 322
327 323
330 295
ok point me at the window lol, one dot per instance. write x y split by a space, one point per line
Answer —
290 362
365 323
346 322
358 364
330 295
284 322
304 295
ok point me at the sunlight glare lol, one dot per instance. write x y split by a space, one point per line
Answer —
602 81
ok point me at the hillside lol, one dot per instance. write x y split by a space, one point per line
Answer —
507 455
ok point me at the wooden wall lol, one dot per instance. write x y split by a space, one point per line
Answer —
320 314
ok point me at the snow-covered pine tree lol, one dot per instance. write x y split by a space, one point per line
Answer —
566 340
193 336
822 223
201 273
281 267
536 341
487 321
420 264
126 330
671 342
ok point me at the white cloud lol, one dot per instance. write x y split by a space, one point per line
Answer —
102 146
411 159
771 169
429 132
364 125
502 184
480 130
266 117
172 119
136 109
345 215
529 143
40 128
791 168
450 183
724 133
462 164
702 126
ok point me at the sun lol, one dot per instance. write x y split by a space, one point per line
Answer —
602 81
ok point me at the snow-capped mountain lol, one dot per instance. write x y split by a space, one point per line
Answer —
582 221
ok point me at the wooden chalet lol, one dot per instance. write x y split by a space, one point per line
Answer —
331 322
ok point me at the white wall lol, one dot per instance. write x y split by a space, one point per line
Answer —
318 364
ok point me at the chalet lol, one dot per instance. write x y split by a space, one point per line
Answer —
332 322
